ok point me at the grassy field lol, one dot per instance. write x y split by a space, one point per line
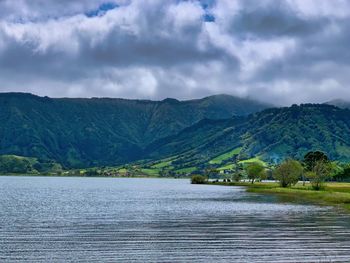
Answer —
161 165
219 159
150 172
253 160
335 194
227 167
186 170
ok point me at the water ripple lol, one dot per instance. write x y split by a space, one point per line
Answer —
151 220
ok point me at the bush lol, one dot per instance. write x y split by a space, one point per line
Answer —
288 173
198 179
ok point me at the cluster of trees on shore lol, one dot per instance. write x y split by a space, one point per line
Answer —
13 164
315 167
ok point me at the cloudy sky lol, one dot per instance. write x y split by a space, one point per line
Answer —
280 51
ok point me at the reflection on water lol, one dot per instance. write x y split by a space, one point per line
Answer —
160 220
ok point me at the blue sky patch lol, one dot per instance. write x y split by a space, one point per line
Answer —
102 9
209 18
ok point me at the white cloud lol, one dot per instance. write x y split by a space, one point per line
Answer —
293 51
316 8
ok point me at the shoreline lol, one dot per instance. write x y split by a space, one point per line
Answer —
334 194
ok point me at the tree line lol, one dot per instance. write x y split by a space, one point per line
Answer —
315 167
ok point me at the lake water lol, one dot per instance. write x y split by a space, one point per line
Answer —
160 220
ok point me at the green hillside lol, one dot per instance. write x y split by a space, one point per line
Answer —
293 131
225 156
95 132
272 134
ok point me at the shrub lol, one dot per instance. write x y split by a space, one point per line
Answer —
198 179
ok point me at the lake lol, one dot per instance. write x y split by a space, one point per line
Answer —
52 219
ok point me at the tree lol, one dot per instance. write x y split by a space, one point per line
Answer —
238 173
288 172
343 175
92 172
15 164
312 158
212 173
237 176
319 174
255 171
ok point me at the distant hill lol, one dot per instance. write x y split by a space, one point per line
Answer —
102 131
339 103
271 135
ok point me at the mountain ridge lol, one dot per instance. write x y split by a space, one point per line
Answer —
100 131
271 134
87 132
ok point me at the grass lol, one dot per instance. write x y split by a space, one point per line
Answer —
253 160
150 172
122 170
339 187
334 194
219 159
227 167
186 170
162 165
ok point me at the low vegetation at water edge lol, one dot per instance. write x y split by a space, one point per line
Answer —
198 179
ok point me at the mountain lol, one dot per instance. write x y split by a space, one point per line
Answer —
171 133
102 131
271 135
344 104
